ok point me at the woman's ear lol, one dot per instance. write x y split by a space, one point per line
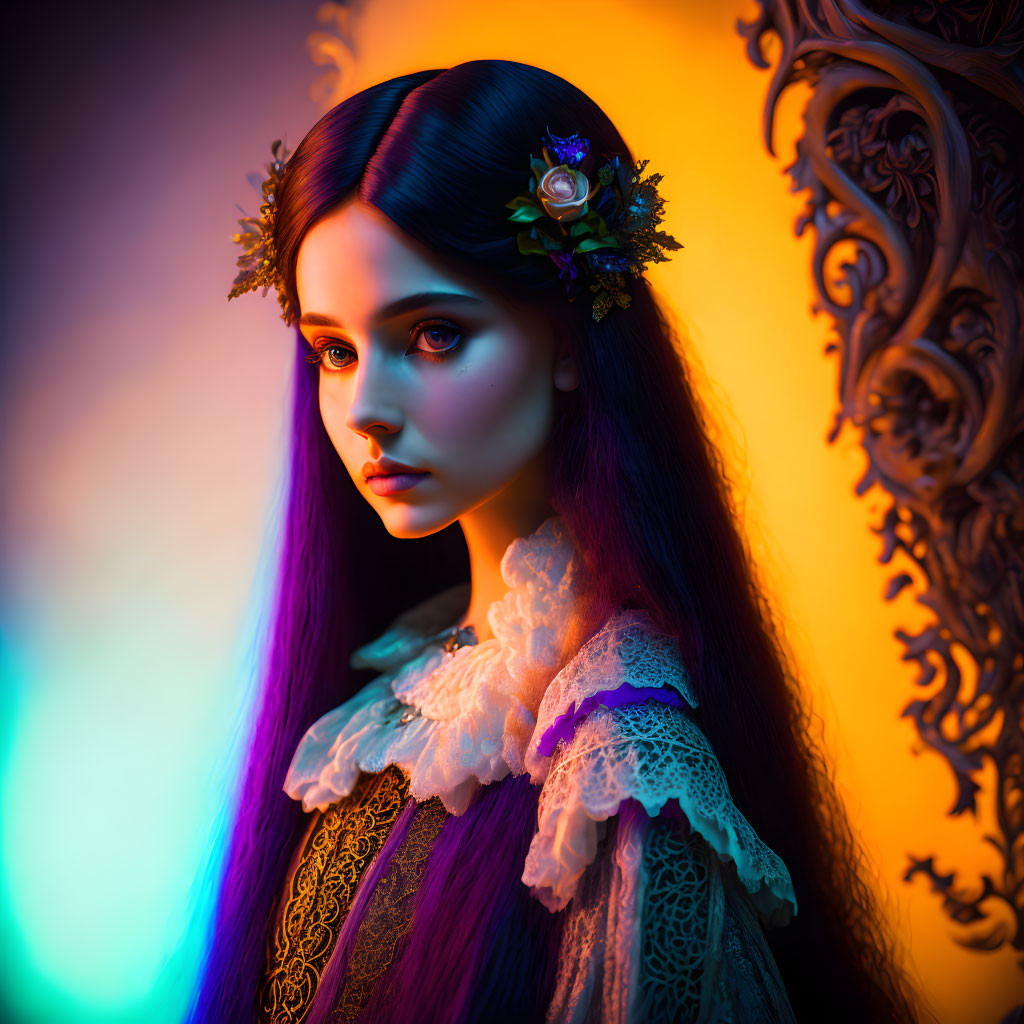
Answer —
566 375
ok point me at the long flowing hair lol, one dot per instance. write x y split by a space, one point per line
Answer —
641 488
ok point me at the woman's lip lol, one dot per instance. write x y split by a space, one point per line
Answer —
393 483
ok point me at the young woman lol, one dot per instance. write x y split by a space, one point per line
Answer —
494 787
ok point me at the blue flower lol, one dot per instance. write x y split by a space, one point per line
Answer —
571 150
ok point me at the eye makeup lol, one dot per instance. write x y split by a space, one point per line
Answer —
332 354
446 329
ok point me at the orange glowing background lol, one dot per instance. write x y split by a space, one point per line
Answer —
143 444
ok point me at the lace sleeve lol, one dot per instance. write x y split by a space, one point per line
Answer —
703 954
660 932
652 753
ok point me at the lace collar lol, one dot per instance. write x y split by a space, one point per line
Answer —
453 713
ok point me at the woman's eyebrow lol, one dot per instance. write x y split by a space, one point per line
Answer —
396 308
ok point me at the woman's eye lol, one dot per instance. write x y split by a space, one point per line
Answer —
436 338
338 356
333 357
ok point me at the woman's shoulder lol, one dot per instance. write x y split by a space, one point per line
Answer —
341 744
618 724
439 710
627 660
655 756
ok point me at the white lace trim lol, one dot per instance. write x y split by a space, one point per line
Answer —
451 720
628 650
653 754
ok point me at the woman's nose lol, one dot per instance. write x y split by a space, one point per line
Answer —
375 406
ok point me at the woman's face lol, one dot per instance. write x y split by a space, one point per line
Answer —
420 366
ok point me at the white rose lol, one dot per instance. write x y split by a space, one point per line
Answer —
564 192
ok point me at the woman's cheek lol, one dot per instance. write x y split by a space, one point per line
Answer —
334 403
477 400
486 426
460 405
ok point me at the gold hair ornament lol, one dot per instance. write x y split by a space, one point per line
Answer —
258 263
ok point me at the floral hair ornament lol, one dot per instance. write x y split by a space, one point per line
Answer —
258 263
594 233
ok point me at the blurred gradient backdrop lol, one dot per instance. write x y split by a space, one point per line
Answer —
143 442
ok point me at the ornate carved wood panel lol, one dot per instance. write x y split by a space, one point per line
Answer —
913 157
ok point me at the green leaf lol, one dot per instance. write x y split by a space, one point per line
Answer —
526 214
579 229
538 168
590 244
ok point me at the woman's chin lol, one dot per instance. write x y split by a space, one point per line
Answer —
407 522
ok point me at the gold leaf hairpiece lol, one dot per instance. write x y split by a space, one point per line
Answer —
258 262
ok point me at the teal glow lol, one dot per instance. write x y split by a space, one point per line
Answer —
92 822
107 882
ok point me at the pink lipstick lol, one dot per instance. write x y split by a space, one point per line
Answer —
394 483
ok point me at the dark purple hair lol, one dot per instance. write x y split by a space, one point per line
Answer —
643 493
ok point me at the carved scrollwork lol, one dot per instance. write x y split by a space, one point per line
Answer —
913 160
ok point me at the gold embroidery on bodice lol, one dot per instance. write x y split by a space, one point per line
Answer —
340 846
389 914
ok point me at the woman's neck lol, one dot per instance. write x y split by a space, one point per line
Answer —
489 529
